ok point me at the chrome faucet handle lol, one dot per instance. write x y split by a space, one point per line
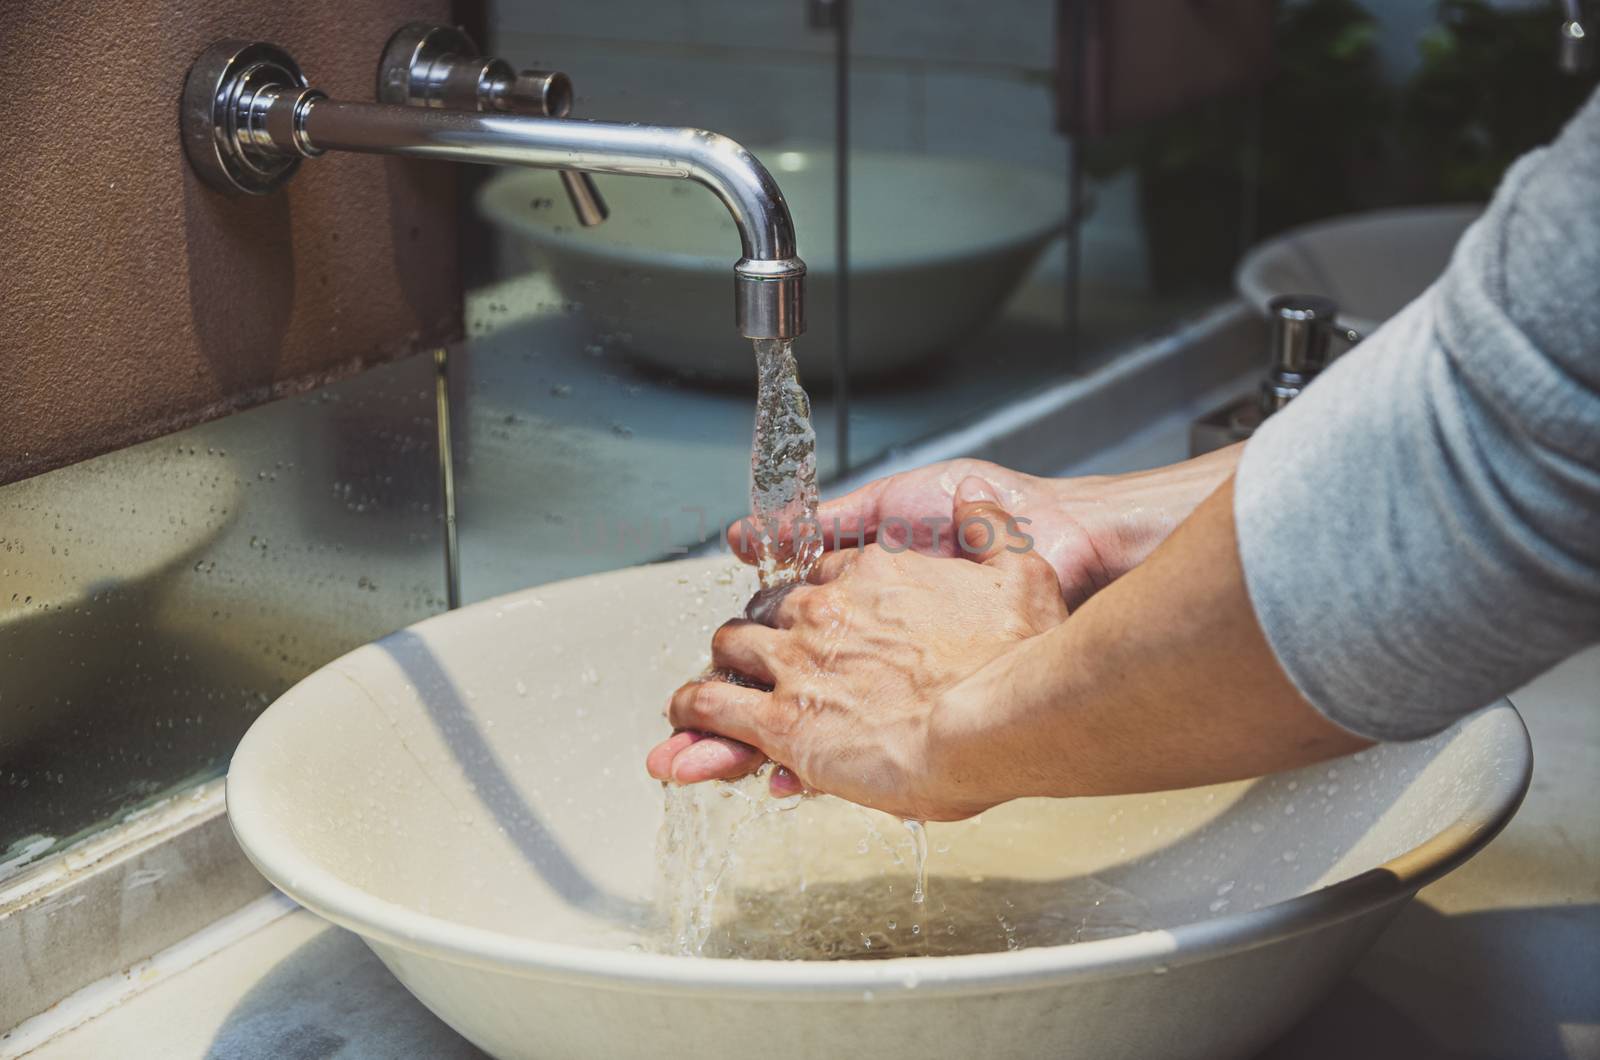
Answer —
547 92
439 66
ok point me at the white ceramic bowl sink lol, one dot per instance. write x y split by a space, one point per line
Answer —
937 243
1371 264
468 796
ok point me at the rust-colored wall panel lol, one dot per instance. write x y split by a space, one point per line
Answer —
134 299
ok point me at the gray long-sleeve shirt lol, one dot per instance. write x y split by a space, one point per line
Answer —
1420 530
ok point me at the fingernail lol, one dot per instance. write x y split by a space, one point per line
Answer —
974 490
695 758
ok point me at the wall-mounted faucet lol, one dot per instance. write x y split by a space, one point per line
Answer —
249 118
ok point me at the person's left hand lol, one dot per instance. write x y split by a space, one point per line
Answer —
859 663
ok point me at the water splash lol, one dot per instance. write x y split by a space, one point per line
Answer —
919 851
698 844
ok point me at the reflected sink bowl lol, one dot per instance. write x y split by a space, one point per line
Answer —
468 796
1370 263
937 243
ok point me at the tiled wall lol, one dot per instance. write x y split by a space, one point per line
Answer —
958 76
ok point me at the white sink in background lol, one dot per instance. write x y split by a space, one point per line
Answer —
937 243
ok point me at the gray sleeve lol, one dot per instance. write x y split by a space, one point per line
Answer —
1420 530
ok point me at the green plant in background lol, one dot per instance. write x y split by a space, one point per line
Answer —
1221 174
1330 133
1487 90
1324 116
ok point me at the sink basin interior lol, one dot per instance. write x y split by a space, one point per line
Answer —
482 772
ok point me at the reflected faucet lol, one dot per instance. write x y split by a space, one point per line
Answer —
1577 51
250 117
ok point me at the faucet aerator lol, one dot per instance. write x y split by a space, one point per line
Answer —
769 298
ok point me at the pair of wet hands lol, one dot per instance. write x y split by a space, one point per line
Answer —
841 672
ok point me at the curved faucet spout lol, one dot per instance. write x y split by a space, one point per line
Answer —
769 279
732 173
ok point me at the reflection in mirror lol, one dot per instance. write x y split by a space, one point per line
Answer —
154 600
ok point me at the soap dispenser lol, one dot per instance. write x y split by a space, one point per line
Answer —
1303 329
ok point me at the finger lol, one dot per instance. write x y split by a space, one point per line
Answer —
785 608
749 532
831 565
746 646
985 531
715 758
743 535
764 606
719 708
658 763
783 784
783 540
850 520
854 511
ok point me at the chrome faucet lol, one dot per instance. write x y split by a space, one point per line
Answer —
249 118
1299 346
1577 51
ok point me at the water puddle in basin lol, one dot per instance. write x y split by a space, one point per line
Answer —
865 920
752 877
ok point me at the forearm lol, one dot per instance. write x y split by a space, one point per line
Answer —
1128 515
1163 680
